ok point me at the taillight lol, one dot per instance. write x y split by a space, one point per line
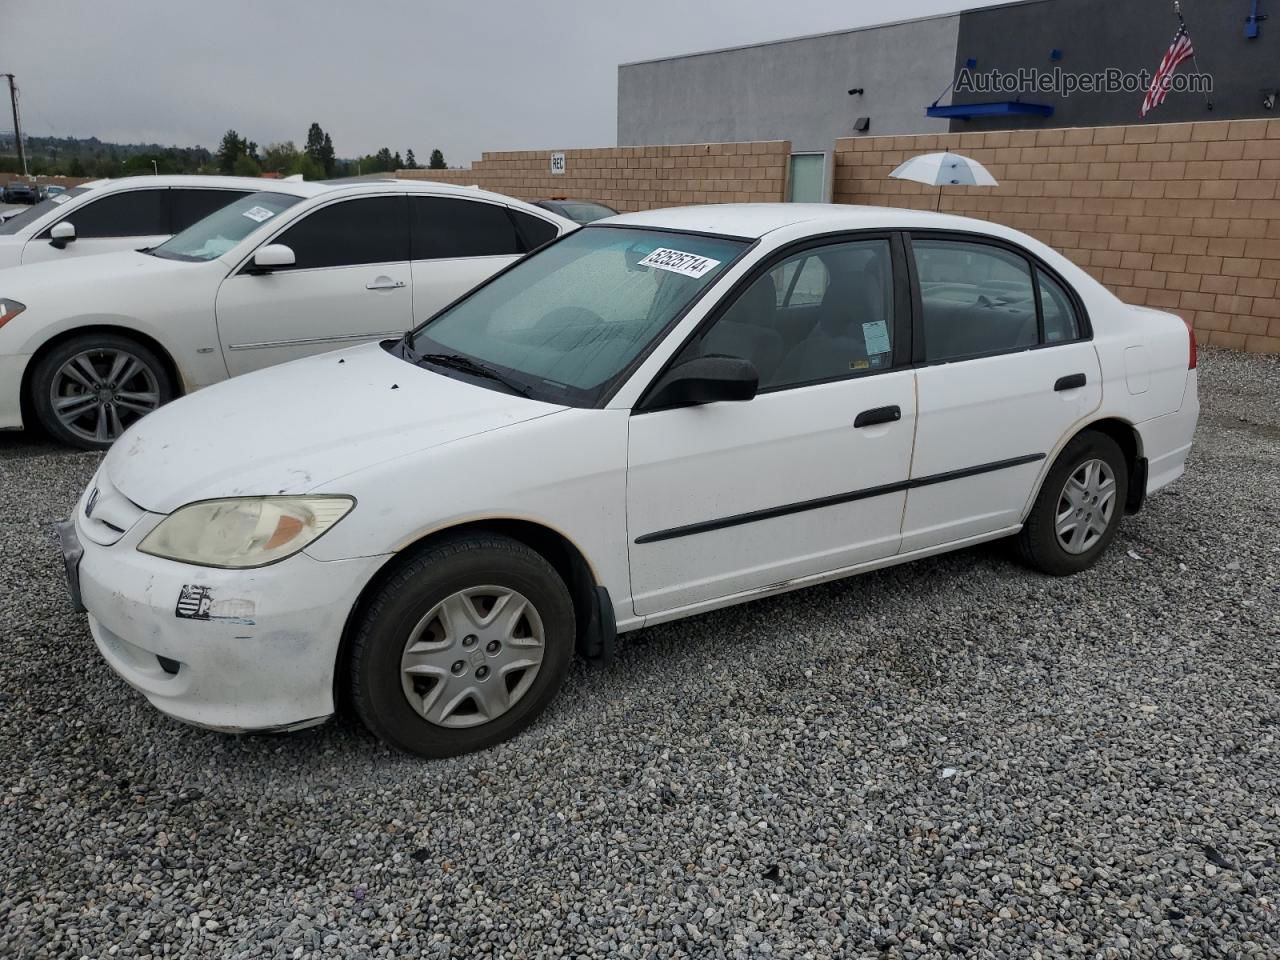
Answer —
1191 352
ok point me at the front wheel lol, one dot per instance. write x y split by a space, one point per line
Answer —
1079 507
463 647
88 390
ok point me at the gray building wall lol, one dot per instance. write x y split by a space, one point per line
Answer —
793 90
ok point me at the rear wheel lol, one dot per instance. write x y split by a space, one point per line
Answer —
91 388
463 647
1079 507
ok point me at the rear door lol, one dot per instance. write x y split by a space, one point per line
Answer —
123 220
1006 370
810 476
457 243
350 282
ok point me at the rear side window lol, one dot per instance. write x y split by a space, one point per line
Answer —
129 213
444 227
350 232
977 299
189 205
534 230
1060 322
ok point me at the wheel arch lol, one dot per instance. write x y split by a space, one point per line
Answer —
62 336
562 553
1129 440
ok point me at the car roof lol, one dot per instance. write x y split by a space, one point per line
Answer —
180 180
754 220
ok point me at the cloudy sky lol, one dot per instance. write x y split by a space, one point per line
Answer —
463 75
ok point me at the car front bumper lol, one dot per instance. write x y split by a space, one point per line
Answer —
12 368
231 650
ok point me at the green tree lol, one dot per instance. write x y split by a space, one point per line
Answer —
320 148
437 160
232 148
410 161
246 166
281 157
384 160
77 168
309 167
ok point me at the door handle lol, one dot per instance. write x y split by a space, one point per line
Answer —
384 283
869 418
1072 381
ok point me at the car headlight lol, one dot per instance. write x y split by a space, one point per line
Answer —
9 309
243 531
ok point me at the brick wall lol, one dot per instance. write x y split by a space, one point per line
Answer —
634 178
1183 217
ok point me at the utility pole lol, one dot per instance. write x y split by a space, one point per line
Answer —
17 124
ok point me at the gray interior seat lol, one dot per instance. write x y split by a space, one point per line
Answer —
837 346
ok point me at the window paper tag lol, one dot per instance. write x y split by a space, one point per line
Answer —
876 336
685 264
60 198
258 214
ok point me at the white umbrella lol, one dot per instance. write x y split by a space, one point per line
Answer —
944 169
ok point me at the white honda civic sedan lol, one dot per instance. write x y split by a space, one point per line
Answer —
655 416
89 346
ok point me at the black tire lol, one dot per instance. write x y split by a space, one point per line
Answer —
1038 542
466 562
44 373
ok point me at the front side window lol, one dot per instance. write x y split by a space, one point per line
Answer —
219 232
823 314
129 213
977 299
188 205
24 218
445 228
568 321
350 232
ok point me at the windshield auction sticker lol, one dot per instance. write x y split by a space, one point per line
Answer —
259 214
60 198
685 264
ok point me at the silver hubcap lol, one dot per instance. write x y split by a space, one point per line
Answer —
1085 506
98 393
472 657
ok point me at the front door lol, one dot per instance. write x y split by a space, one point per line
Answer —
350 282
1008 374
806 478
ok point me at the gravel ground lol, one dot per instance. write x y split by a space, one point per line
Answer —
956 757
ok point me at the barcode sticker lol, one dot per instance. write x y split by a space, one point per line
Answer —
259 214
685 264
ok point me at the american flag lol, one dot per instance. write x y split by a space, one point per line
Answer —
1178 51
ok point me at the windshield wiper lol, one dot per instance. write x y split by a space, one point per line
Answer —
455 361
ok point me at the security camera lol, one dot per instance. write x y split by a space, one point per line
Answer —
1269 99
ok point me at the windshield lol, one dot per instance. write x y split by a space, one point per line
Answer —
219 232
569 320
34 213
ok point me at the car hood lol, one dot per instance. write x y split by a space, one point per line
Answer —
40 282
291 428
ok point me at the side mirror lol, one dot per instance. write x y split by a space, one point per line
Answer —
272 257
63 232
704 380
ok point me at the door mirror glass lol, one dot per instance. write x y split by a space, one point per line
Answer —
62 233
272 257
704 380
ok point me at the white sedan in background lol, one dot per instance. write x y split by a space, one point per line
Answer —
88 347
106 216
655 416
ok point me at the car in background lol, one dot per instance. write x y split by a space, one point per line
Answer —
104 216
47 190
648 419
90 345
19 191
579 211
